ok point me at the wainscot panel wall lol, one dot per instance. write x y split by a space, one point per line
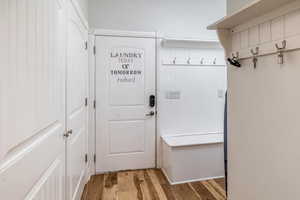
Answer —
32 99
263 100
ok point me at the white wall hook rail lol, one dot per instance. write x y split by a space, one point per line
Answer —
192 54
286 50
193 62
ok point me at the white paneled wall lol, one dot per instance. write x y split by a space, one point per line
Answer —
263 103
32 98
50 186
33 84
33 61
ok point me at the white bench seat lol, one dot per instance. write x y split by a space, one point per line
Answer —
193 139
192 157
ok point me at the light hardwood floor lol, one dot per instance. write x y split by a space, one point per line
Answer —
149 184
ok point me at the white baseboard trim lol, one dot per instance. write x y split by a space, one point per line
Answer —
98 172
166 175
80 186
89 171
188 181
84 179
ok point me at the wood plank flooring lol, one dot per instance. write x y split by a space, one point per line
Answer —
149 184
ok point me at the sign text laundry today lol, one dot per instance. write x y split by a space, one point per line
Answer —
125 66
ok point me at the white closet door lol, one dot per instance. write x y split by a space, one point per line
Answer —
32 99
77 66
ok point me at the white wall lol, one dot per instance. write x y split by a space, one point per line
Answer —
174 18
200 105
198 109
233 5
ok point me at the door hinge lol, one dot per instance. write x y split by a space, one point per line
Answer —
86 101
94 158
86 158
85 45
94 104
94 50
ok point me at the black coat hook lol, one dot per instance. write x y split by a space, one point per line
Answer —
234 60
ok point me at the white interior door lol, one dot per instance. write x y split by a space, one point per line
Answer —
32 100
125 78
77 73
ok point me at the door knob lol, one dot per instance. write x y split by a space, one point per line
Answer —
68 133
151 113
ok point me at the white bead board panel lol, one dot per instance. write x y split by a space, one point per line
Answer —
35 73
263 105
32 100
51 185
263 108
276 27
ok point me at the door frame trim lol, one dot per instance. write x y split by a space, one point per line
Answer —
124 33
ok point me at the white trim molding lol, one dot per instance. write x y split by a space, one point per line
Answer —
123 33
79 11
188 181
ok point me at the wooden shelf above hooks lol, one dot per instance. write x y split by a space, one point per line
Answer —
251 11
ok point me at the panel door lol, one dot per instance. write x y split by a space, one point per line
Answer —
32 99
125 127
77 68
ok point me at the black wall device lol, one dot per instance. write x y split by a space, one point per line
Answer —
152 101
